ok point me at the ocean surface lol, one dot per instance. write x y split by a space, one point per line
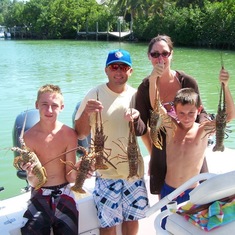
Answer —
78 66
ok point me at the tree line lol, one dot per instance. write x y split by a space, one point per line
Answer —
204 23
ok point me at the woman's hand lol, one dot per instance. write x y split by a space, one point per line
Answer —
224 77
157 71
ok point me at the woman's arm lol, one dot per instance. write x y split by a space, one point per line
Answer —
230 107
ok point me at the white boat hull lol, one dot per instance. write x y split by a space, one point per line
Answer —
12 209
11 214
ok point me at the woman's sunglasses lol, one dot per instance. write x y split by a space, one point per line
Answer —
164 54
115 67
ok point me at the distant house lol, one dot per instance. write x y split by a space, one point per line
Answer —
4 33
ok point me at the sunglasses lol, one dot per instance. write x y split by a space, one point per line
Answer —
164 54
122 67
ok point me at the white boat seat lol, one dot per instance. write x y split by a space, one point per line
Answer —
213 189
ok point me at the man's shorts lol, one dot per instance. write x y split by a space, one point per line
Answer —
119 200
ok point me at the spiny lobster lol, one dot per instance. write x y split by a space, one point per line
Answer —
220 122
133 154
156 123
87 159
99 141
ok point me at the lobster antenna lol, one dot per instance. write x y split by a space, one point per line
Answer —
22 143
97 97
97 94
222 66
24 123
222 61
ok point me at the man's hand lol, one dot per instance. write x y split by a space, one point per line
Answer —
93 106
131 114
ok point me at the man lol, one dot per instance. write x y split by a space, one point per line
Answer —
118 200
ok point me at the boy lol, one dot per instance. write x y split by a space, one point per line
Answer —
53 204
187 140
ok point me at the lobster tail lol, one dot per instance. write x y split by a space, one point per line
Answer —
220 122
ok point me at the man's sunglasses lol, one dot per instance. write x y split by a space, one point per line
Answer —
115 67
164 54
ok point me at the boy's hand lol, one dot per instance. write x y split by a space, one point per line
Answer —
209 126
28 167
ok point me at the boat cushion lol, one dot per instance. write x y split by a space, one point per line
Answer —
178 225
213 189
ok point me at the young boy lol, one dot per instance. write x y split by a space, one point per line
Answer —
187 140
52 205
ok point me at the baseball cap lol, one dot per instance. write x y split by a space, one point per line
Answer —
119 55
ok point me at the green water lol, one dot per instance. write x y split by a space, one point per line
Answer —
77 66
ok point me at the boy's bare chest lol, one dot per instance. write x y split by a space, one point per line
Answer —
184 138
49 147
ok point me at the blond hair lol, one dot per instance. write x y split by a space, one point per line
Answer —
49 88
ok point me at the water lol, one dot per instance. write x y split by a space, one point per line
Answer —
77 66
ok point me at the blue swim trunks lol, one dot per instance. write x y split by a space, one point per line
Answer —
166 190
119 200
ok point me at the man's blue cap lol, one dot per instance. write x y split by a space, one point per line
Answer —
120 56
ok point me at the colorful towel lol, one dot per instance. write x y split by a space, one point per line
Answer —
217 214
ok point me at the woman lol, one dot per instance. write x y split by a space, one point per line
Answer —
160 53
